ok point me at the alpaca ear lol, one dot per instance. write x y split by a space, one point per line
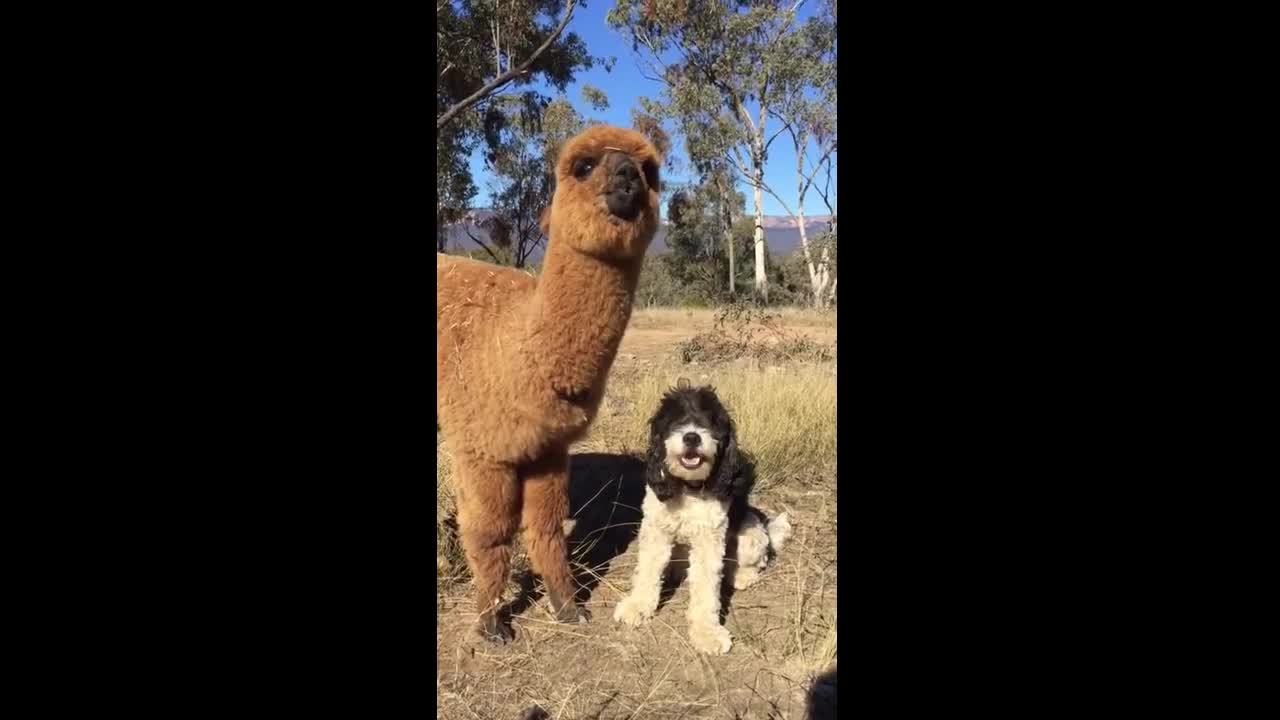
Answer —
683 383
544 221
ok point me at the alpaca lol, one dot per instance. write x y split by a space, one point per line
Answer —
521 363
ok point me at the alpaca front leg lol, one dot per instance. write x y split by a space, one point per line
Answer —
488 513
646 582
706 568
546 505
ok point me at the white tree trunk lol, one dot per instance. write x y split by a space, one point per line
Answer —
823 279
727 217
818 275
733 283
757 162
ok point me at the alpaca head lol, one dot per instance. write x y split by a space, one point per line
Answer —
606 198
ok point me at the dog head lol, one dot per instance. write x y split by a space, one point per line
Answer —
606 198
693 444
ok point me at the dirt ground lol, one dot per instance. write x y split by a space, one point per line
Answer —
782 661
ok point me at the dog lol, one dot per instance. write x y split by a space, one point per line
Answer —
697 482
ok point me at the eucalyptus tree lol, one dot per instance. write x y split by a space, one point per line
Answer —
718 61
490 54
807 110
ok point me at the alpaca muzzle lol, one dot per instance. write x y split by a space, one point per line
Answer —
625 189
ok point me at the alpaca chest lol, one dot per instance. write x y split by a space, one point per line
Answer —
686 517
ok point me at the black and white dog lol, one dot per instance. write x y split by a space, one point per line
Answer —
697 486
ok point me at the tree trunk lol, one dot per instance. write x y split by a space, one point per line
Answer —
757 163
726 215
733 284
442 237
818 275
823 279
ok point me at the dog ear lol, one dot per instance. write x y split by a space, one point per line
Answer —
544 221
654 474
733 472
683 383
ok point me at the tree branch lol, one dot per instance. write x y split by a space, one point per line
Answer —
510 74
813 173
477 241
775 135
737 161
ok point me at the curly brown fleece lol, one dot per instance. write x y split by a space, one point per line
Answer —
521 364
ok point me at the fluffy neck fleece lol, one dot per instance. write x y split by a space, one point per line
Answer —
581 307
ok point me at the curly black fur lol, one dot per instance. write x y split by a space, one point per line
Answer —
733 474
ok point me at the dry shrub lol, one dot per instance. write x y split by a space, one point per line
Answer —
744 331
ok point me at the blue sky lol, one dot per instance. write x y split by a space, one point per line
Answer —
625 85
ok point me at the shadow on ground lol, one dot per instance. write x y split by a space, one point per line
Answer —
605 493
822 697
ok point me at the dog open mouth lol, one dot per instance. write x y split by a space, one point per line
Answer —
691 461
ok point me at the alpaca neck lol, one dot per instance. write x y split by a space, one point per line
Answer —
581 307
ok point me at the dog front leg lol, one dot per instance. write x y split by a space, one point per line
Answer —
646 582
706 569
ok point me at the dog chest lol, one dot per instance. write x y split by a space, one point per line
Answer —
686 516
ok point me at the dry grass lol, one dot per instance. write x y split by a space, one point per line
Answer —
451 566
647 318
784 627
785 416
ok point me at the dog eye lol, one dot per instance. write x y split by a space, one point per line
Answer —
583 167
651 175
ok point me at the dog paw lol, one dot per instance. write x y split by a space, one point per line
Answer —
744 579
632 611
710 639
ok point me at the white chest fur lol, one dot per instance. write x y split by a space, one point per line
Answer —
686 516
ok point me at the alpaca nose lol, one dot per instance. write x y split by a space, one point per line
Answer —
625 189
626 173
692 439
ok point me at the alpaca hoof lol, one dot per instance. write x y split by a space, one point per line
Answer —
710 639
493 629
566 610
632 612
572 613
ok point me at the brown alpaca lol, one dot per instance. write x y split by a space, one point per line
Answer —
521 364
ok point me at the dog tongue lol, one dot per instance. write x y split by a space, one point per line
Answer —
692 462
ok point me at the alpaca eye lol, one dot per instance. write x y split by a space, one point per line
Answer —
583 167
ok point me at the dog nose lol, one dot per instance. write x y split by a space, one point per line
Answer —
692 439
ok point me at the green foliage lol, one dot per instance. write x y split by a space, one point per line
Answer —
454 186
595 97
726 67
477 40
522 183
659 285
525 143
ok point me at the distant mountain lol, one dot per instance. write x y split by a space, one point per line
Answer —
781 232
